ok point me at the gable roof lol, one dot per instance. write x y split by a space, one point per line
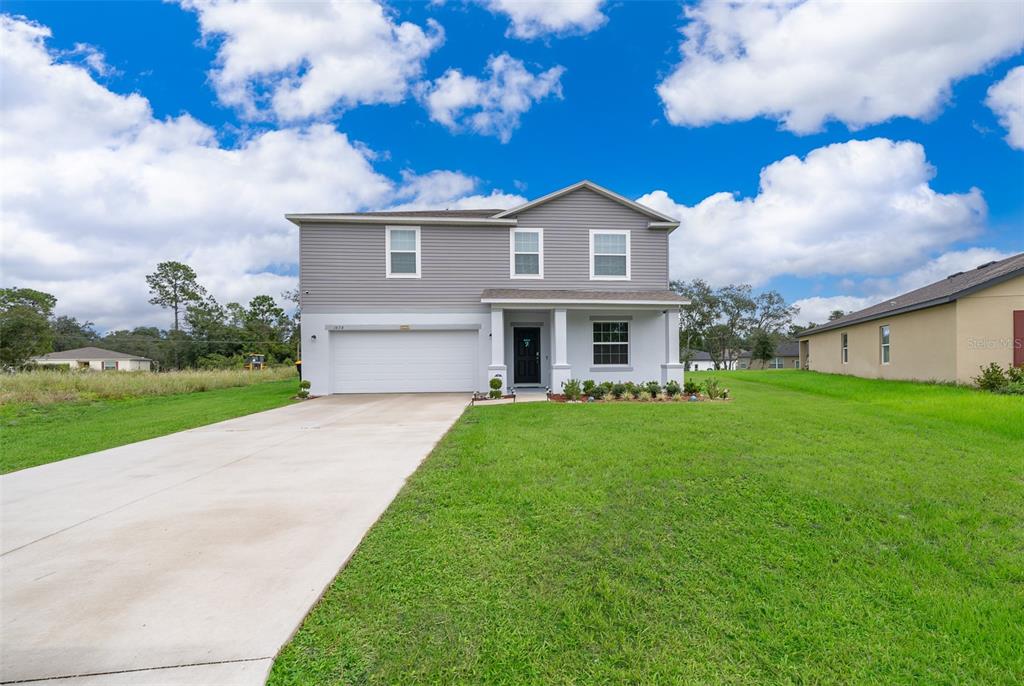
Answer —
948 290
658 217
90 353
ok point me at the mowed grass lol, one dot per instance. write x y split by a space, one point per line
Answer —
816 529
32 435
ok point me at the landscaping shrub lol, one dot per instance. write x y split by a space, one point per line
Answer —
1015 374
672 387
598 391
588 387
991 378
1012 388
652 387
495 384
571 389
632 388
712 389
305 384
644 395
618 390
627 394
690 387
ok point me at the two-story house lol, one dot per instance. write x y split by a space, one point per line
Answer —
571 285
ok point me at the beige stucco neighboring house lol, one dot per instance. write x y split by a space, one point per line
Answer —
944 331
97 359
787 356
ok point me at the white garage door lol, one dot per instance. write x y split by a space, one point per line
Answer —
404 361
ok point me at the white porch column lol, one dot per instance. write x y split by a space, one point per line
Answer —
672 370
560 369
497 366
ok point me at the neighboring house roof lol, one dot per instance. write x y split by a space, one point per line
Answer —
700 356
782 349
90 353
948 290
555 296
481 216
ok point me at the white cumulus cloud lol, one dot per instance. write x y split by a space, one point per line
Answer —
308 59
804 63
535 18
860 207
873 291
97 190
1006 99
491 106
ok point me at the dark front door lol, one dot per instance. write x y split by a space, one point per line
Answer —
526 341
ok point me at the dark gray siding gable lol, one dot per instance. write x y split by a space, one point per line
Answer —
343 266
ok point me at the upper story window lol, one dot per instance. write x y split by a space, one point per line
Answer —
527 246
609 255
883 335
844 344
403 252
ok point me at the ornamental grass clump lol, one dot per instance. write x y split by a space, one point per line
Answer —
572 389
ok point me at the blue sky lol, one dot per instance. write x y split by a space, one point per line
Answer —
595 112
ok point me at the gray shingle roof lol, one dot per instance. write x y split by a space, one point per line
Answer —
90 353
948 290
667 297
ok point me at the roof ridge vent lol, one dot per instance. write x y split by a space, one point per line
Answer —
987 264
953 275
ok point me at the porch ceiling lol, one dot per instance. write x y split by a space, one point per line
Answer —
587 298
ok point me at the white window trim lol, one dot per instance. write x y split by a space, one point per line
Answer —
844 347
629 344
882 345
512 252
624 232
387 252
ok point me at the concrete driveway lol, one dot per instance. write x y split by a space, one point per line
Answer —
191 558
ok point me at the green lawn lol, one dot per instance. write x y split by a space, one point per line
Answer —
32 435
817 529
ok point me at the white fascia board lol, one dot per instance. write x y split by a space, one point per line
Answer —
584 303
299 219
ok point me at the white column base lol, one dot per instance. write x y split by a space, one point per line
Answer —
672 372
500 371
560 373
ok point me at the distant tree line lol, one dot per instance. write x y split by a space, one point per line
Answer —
723 321
204 333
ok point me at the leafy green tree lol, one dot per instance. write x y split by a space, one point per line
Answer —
69 333
762 347
144 341
697 317
173 285
24 324
835 314
269 326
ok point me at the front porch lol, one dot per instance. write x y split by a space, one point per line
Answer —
540 339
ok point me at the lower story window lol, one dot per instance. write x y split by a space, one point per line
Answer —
109 364
777 363
611 342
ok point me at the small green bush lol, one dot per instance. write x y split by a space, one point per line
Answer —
991 378
618 390
588 387
672 387
632 388
628 395
644 395
712 389
652 387
304 384
1015 374
690 387
598 391
303 393
571 389
1012 388
495 383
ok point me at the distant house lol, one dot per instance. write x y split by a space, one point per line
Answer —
944 331
700 361
95 358
787 356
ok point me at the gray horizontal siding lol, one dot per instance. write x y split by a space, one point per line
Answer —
344 266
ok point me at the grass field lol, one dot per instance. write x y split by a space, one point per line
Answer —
816 529
46 386
31 435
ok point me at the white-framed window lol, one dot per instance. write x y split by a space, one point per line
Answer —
609 255
777 363
611 343
526 247
109 364
883 337
796 363
402 245
844 345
